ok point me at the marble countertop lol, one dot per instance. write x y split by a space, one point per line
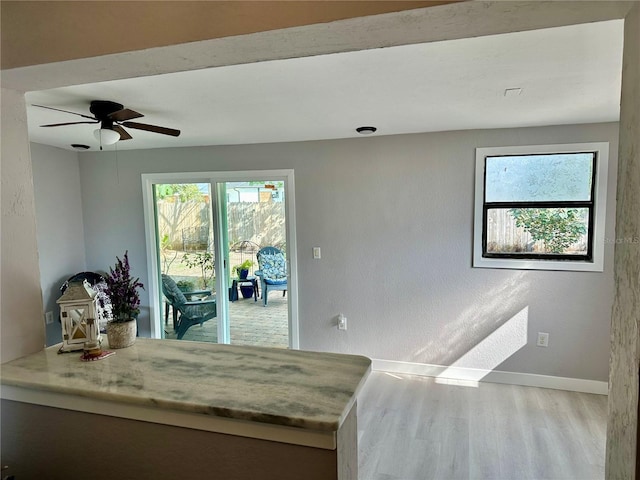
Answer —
307 390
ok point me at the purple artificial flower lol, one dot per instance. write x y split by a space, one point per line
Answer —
123 291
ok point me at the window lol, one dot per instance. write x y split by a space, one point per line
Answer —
541 207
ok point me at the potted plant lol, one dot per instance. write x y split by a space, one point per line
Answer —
122 289
242 270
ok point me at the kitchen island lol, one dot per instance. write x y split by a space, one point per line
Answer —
175 409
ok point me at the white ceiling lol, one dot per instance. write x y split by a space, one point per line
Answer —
567 75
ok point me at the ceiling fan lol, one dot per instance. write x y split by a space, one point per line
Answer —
112 117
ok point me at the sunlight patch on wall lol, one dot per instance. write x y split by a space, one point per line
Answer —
483 309
490 352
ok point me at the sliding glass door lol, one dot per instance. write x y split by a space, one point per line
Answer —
253 218
204 234
186 246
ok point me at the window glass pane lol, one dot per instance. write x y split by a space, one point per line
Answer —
561 231
528 178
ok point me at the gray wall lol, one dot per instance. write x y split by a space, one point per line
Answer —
60 231
393 216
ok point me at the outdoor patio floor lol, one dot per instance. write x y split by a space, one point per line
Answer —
251 324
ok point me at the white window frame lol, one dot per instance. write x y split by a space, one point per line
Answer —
596 264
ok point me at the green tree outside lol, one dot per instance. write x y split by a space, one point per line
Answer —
185 191
205 261
557 228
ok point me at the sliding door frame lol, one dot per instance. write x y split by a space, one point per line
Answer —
213 178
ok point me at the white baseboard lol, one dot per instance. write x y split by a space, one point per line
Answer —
471 376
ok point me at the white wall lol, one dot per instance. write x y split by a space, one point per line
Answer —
394 217
21 318
60 231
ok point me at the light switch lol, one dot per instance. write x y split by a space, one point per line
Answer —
316 253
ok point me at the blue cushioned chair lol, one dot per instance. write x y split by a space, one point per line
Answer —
190 312
272 271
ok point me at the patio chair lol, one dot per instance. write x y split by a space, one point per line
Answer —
190 297
272 271
190 313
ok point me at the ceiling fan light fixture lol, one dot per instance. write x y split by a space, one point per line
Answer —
106 136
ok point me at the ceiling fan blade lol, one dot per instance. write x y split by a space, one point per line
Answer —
68 123
124 114
65 111
152 128
124 135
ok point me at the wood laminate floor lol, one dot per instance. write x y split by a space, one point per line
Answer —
413 428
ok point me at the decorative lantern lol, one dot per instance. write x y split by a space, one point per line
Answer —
79 312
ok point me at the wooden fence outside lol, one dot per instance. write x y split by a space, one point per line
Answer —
185 226
503 234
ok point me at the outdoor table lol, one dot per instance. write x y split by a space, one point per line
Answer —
239 282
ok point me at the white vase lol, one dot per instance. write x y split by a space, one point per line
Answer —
122 334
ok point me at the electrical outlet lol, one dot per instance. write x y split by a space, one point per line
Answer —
342 322
48 318
543 339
